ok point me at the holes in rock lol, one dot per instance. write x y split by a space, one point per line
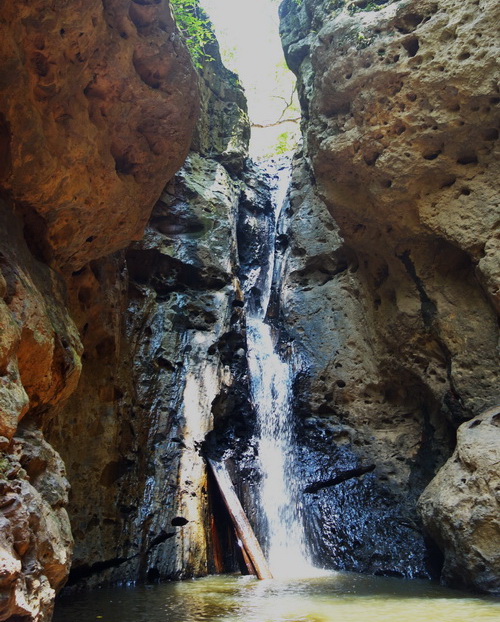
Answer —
447 183
386 183
490 133
123 164
371 158
62 32
112 472
474 424
432 155
465 191
164 363
411 46
411 97
470 158
40 64
91 238
341 384
495 100
348 76
408 23
495 420
179 521
464 56
400 129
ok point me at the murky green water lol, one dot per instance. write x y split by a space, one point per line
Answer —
339 597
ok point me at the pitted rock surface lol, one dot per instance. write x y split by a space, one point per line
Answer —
460 506
98 101
391 273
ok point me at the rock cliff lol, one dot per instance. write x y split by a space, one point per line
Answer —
161 326
122 342
391 277
98 102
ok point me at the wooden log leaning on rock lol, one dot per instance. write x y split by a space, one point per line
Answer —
250 546
341 477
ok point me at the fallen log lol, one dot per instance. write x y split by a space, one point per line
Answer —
244 531
338 479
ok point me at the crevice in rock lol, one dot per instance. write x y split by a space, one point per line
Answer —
85 571
5 154
427 306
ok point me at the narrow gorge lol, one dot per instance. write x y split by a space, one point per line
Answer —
324 323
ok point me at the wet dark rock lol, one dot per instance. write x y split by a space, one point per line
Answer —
390 282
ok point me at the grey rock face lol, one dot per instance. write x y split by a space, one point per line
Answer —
390 286
163 336
159 369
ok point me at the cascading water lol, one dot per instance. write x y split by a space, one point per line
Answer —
271 381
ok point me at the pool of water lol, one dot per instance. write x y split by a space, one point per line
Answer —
336 597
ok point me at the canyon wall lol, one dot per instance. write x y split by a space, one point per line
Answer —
122 339
98 102
391 278
161 325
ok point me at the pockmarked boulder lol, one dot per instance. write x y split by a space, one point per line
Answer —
98 101
460 508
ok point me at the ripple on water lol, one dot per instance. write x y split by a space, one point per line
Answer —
338 597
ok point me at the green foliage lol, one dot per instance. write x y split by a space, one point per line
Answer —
4 467
361 5
285 143
195 26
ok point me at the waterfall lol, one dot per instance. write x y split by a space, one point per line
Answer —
271 380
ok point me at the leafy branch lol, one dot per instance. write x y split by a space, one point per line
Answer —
196 28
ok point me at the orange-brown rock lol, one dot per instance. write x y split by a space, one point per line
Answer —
98 101
39 344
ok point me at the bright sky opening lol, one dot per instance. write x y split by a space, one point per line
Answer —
248 34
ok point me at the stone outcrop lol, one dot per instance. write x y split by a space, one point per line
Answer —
40 346
162 330
144 405
460 506
35 534
97 104
391 273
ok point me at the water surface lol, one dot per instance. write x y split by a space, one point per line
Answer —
338 597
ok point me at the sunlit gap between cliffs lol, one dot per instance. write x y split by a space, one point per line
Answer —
248 34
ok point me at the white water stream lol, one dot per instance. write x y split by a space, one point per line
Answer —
271 386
